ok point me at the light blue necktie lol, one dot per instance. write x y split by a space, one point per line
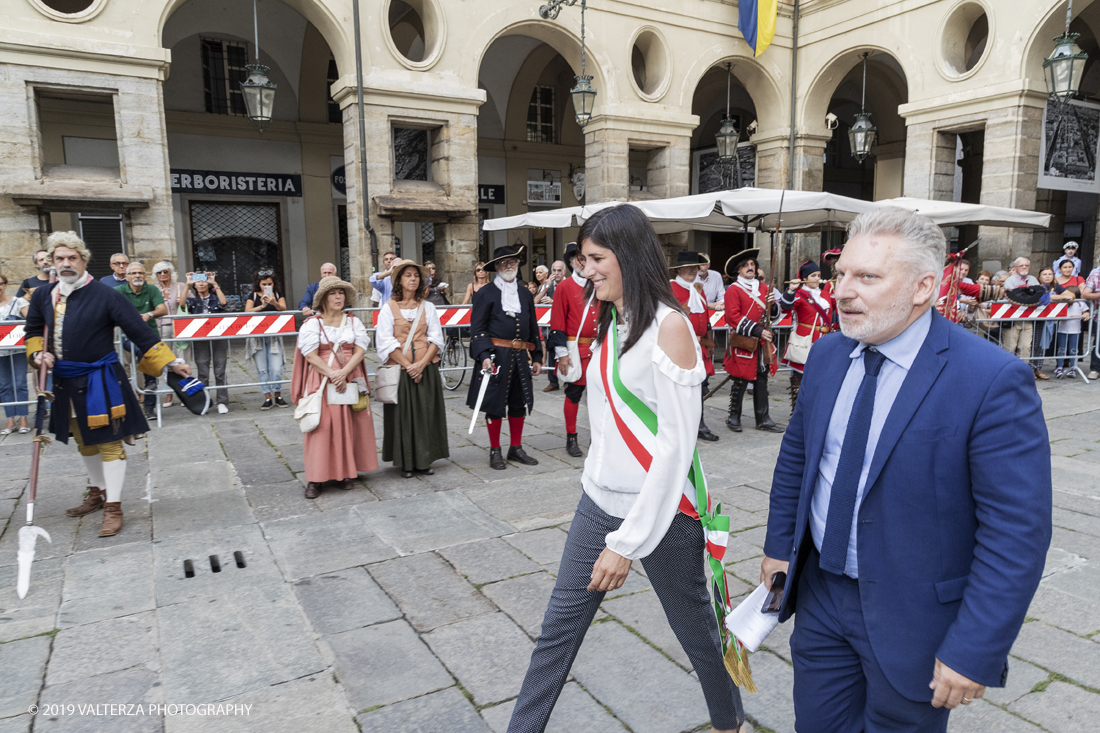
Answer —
842 500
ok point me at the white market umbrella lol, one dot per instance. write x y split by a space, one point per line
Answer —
795 210
953 214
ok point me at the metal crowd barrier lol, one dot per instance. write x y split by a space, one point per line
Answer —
1006 314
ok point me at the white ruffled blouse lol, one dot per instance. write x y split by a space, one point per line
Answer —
647 502
383 333
354 332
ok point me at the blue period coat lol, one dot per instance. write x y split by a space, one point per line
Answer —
955 523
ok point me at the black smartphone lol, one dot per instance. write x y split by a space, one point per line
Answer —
774 599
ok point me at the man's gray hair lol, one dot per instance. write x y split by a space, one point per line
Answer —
70 240
925 246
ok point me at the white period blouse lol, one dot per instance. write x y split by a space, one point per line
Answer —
384 340
354 332
647 502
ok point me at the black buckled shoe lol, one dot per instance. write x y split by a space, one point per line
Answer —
705 434
495 459
768 425
516 455
571 446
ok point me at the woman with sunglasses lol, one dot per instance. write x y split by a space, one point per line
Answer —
643 484
13 365
481 279
175 295
267 352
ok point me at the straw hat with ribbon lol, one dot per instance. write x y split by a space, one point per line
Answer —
327 285
398 268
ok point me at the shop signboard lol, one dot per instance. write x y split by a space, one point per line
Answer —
235 183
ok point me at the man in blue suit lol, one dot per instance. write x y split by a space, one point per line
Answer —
911 503
305 304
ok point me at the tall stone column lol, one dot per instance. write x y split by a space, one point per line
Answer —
1010 176
606 164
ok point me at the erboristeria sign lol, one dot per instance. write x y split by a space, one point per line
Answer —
242 184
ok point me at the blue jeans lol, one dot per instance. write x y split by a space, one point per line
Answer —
13 384
269 367
1067 344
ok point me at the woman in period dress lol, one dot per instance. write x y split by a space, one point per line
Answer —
640 495
342 446
415 429
813 315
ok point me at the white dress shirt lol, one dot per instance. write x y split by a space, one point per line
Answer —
713 286
900 353
647 502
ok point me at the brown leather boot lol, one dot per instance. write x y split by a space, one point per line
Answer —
112 519
93 501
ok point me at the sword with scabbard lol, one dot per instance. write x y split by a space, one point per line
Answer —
485 375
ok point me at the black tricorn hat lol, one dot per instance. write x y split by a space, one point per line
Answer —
1027 295
687 258
733 264
508 251
192 392
571 251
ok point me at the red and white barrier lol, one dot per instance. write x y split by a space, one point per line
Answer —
11 335
200 327
1014 311
451 316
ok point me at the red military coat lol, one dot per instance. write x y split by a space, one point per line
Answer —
743 316
811 319
700 322
565 316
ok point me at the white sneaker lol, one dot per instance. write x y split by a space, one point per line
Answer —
1094 375
222 409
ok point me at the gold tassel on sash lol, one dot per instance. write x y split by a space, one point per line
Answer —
737 664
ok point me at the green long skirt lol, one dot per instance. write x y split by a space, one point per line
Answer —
415 429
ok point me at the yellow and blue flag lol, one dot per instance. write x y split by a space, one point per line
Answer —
756 21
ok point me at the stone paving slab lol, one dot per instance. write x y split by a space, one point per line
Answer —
250 638
575 712
385 663
105 646
773 706
193 479
134 686
485 561
1022 678
429 591
322 542
544 546
983 717
643 613
279 500
172 584
22 668
344 600
488 654
429 522
199 513
532 504
1061 708
18 724
62 531
524 599
315 703
444 710
1059 651
107 583
36 613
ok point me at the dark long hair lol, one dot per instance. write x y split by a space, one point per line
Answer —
263 275
626 231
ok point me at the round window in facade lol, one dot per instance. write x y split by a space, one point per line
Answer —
964 39
415 32
69 11
651 64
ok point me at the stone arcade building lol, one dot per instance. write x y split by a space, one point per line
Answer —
123 119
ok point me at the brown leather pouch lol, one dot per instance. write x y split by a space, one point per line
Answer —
745 343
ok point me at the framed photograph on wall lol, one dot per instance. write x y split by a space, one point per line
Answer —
708 174
1071 143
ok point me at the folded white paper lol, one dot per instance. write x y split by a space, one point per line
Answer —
748 624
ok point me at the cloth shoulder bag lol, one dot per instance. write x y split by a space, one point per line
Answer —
308 410
350 395
387 376
574 348
798 347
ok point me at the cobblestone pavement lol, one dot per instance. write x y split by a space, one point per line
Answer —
413 605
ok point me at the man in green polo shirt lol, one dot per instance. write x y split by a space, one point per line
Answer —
150 304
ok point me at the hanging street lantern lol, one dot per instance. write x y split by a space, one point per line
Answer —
584 97
727 136
862 134
584 94
1063 69
259 95
258 91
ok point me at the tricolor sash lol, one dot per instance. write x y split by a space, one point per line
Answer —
715 525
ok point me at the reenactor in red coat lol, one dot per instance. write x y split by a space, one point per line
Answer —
814 313
573 320
690 295
750 355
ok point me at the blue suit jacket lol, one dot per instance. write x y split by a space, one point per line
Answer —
307 299
956 518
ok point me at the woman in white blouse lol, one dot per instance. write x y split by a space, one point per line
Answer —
644 403
332 344
415 429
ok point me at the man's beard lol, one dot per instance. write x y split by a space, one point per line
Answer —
138 283
69 277
875 323
508 275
